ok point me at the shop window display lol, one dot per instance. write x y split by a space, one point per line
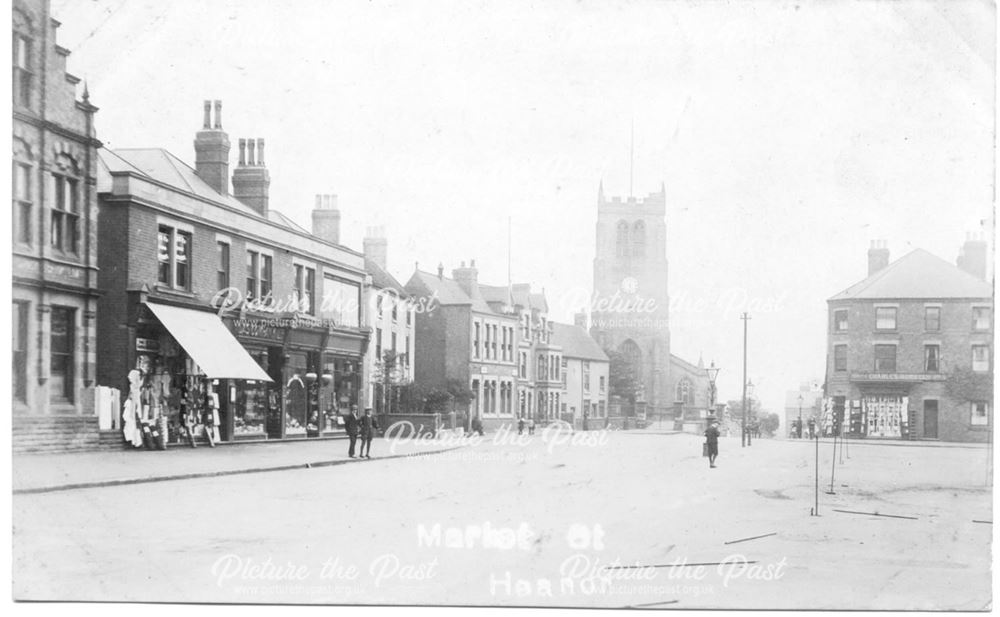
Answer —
884 416
251 410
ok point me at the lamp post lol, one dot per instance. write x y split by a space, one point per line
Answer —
798 431
750 388
713 372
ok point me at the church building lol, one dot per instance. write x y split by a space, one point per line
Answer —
630 308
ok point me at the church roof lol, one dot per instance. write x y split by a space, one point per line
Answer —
918 275
576 343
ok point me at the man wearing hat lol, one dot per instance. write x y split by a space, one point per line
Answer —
368 425
351 425
712 441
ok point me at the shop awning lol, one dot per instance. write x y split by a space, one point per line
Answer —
208 342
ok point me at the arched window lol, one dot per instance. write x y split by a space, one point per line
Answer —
23 59
684 392
633 358
639 239
621 242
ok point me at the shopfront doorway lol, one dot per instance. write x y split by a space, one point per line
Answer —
930 419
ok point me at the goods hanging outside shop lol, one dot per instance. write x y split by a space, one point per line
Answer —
173 390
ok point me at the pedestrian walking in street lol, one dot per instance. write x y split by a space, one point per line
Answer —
531 425
520 425
368 425
712 441
351 425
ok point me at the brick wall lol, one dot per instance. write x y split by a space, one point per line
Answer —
955 338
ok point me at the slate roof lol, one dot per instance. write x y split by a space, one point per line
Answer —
576 343
918 274
158 164
496 297
449 292
382 279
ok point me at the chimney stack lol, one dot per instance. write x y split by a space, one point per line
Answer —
878 256
440 270
251 181
972 256
211 151
376 247
580 320
326 219
467 278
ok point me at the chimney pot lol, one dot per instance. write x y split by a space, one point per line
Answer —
243 151
440 270
260 151
218 115
250 146
208 115
319 202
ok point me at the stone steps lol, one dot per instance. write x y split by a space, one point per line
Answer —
40 434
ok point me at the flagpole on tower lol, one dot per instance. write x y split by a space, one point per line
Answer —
631 157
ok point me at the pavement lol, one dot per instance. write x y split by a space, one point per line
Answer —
41 473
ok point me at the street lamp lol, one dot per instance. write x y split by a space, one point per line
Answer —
750 388
798 431
713 372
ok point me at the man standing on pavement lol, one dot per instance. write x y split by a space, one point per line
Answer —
368 425
712 439
351 425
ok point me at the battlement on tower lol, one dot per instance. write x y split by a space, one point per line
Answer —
654 203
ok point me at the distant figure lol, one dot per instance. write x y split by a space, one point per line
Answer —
477 426
520 425
351 425
712 440
798 428
368 426
531 425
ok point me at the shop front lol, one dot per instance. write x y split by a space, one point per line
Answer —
178 388
881 406
314 371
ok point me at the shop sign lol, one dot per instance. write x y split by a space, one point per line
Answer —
897 377
147 344
260 328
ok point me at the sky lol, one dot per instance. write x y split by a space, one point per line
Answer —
787 136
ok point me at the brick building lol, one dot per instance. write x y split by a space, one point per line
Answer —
221 294
909 348
585 375
54 244
391 318
540 391
464 340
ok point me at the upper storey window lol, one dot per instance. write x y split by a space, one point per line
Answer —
21 56
639 239
621 242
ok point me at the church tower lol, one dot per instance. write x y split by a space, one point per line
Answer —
631 304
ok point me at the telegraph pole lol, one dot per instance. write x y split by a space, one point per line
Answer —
746 318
